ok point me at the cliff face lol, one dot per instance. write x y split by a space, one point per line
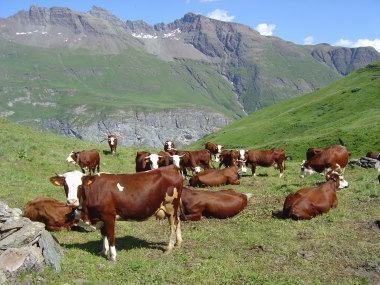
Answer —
227 67
183 126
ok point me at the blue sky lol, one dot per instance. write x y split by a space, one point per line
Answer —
349 23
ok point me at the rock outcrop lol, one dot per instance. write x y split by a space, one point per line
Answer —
25 246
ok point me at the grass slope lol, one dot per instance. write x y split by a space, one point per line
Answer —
45 83
348 108
254 247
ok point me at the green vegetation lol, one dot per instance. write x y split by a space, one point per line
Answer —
254 247
348 109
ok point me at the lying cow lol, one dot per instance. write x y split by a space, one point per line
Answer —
55 215
306 203
135 196
86 159
216 177
221 204
266 158
333 158
215 149
112 142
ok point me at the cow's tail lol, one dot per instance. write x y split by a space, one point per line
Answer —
341 142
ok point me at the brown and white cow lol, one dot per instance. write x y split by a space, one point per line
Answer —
141 161
169 145
215 149
266 158
220 204
229 158
306 203
216 177
193 160
86 159
333 158
135 196
54 214
112 142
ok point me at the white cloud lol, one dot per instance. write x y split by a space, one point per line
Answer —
220 15
265 29
308 40
360 43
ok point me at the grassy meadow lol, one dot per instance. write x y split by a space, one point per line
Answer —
255 247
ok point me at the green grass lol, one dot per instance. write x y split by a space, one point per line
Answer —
254 247
316 119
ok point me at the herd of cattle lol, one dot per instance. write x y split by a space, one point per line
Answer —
157 188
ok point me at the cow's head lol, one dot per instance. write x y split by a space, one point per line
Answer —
72 183
217 157
112 140
338 179
240 164
242 154
153 160
220 147
306 169
176 159
169 145
73 157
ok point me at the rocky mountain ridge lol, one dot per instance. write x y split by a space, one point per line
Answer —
259 70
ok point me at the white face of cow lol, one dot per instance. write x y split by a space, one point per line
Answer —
342 183
111 140
243 168
70 159
73 180
169 145
305 170
176 159
242 154
154 160
220 148
217 159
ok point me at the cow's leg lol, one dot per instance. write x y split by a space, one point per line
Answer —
253 167
178 233
281 168
108 232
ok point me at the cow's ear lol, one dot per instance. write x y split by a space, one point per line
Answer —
57 180
87 180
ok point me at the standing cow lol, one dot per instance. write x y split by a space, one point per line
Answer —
215 149
266 158
86 159
112 142
136 196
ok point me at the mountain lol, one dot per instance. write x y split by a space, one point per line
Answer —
91 74
348 109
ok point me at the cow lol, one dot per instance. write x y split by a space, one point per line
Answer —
215 149
104 197
142 164
86 159
306 203
266 158
169 145
216 177
112 142
330 158
311 152
185 160
54 214
228 158
220 204
373 155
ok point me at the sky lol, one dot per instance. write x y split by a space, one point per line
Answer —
348 23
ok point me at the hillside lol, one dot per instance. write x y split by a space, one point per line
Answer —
348 109
86 75
254 247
